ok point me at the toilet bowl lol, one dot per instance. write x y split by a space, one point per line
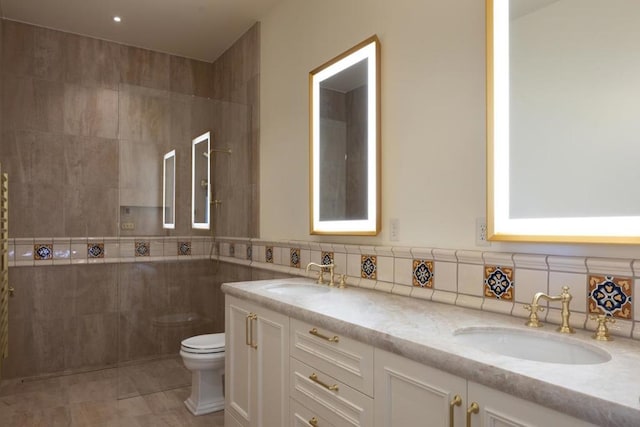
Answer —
203 355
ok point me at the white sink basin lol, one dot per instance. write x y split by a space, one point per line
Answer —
536 346
297 289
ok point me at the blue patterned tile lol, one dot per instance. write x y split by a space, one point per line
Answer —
184 248
249 252
327 258
268 254
423 273
368 267
95 250
611 296
295 257
42 251
498 282
143 249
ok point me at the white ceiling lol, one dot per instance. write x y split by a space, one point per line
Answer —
198 29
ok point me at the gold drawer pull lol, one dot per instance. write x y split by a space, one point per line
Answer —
247 333
251 319
313 422
313 377
474 408
315 332
248 329
457 401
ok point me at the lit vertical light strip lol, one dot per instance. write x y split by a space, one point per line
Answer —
372 134
501 113
316 152
200 225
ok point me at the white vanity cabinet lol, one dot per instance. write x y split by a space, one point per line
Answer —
331 378
256 365
281 371
411 394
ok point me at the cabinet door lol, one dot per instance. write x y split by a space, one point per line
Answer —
238 363
408 393
497 409
271 335
256 364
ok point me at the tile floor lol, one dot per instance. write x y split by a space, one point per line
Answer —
140 395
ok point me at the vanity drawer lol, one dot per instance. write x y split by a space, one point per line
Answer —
349 360
305 417
328 398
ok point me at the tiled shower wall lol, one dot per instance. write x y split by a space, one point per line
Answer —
88 121
85 125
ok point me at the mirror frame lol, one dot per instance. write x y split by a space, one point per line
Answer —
500 227
370 49
199 140
169 203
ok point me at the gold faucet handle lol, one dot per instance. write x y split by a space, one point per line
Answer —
533 321
532 307
602 332
321 277
343 281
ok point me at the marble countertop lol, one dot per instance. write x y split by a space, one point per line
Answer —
606 394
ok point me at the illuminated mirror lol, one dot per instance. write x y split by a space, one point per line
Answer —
169 191
200 181
345 142
562 130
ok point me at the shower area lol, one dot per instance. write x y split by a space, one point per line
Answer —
101 288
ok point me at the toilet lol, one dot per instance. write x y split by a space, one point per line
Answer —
203 355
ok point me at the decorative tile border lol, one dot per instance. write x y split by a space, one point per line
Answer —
33 252
473 279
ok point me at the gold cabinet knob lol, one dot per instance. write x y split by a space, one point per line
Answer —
313 422
11 290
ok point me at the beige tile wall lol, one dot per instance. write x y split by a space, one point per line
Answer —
75 317
86 123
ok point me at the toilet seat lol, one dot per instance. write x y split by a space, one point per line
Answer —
204 344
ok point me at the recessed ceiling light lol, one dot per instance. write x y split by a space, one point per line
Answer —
117 19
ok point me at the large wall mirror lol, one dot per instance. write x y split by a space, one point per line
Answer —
200 181
563 134
345 142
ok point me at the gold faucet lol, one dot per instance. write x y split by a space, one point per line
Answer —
323 268
534 307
